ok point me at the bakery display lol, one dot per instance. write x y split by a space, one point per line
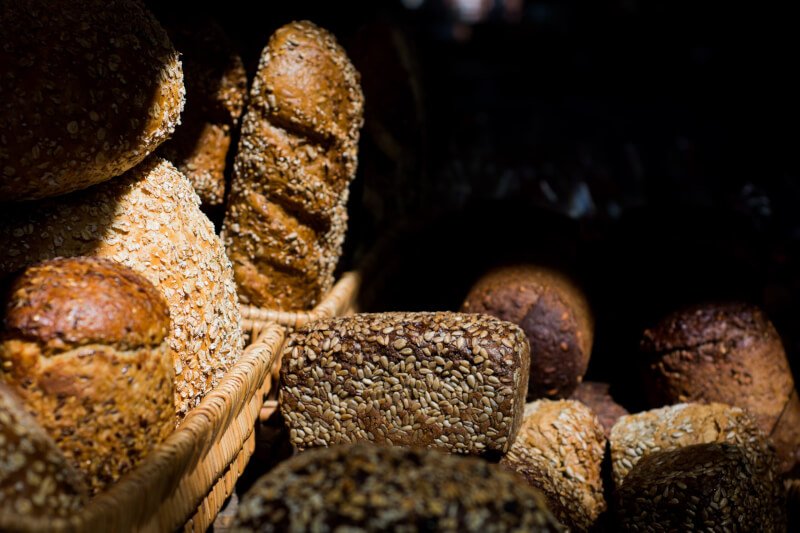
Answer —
84 345
149 220
374 488
90 88
559 450
216 87
555 316
446 380
596 396
286 215
728 353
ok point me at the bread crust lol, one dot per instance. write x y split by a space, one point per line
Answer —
595 396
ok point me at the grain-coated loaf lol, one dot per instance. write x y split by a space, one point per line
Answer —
84 345
555 316
35 477
90 88
446 380
728 353
596 396
148 220
286 215
559 450
703 487
216 87
636 436
373 488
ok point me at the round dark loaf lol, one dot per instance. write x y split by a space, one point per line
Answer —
84 345
596 397
559 450
90 88
728 353
373 488
555 316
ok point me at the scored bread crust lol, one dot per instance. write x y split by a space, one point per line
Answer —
90 88
286 216
149 220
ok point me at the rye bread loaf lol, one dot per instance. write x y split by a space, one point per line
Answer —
35 477
446 380
216 87
559 450
90 88
373 488
596 396
728 353
149 220
83 343
286 216
555 316
702 487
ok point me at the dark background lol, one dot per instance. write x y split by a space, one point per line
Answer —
648 148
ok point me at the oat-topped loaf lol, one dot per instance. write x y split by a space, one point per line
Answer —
90 88
373 488
35 477
559 450
446 380
286 215
676 426
702 487
148 220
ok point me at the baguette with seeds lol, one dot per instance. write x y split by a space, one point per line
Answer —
445 380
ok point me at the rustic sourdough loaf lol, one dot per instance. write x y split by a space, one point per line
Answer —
286 216
90 88
149 220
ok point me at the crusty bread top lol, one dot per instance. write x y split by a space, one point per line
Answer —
65 303
90 88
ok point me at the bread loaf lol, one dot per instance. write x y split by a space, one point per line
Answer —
373 488
445 380
148 220
596 397
559 450
727 353
90 88
35 477
703 487
286 216
216 86
554 315
84 345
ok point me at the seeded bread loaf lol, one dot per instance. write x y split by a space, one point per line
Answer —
286 215
669 428
148 220
559 450
728 353
596 397
555 316
84 345
35 477
445 380
216 86
703 487
90 88
373 488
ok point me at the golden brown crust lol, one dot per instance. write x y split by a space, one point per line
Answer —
149 220
555 316
35 477
286 216
216 85
91 87
559 450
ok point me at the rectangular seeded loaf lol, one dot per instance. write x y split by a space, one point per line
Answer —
442 380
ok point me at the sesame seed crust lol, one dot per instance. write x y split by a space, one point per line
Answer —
445 380
149 220
559 450
373 488
91 87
